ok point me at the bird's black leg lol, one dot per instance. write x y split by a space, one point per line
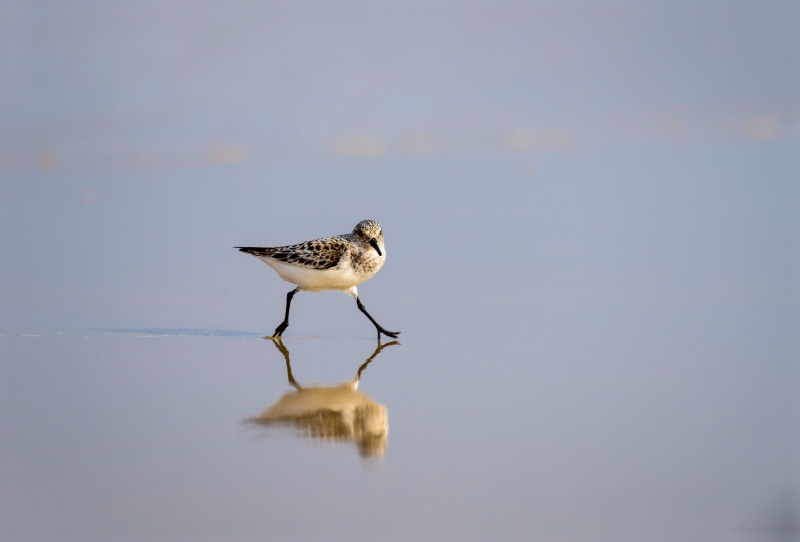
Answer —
281 328
392 334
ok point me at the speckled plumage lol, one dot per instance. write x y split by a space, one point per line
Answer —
323 253
328 263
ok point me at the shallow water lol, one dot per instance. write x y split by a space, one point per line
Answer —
591 224
599 423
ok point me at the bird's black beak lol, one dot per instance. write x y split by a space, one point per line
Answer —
374 243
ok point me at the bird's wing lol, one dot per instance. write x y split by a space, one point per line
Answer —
323 253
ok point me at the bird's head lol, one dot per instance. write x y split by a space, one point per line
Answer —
369 232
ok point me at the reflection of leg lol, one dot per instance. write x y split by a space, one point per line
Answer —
279 344
280 329
374 354
392 334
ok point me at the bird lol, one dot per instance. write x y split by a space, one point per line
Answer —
328 263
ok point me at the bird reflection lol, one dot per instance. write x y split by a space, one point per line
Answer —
333 413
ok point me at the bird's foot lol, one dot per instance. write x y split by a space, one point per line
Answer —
392 334
279 330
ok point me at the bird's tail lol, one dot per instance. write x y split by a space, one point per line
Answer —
257 251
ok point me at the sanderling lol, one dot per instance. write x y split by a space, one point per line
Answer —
328 263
